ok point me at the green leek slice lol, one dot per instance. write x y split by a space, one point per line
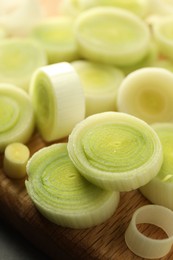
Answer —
112 35
147 93
62 195
16 156
58 100
146 247
19 58
115 151
100 83
16 115
160 189
56 36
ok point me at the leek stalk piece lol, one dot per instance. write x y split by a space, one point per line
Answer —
160 189
15 159
115 151
56 37
58 100
147 93
17 120
146 247
112 35
100 83
62 195
19 58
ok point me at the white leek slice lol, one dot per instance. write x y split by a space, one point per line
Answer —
100 83
162 33
160 189
58 100
147 93
112 35
115 151
16 157
146 247
16 116
62 195
19 58
19 16
56 36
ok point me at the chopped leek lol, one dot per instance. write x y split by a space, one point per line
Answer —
16 116
15 159
147 93
19 58
100 83
115 151
112 35
62 195
58 100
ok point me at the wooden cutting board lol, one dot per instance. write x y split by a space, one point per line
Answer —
103 242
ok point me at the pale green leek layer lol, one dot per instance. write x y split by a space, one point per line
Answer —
115 151
17 120
62 195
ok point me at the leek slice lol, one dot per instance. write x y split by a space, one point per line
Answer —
62 195
56 36
19 58
15 159
112 35
160 189
58 100
100 83
144 246
115 151
147 93
16 115
19 16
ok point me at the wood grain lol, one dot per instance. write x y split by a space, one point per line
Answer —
103 242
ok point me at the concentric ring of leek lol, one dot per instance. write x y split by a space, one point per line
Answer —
162 32
19 58
16 115
62 195
147 93
112 35
115 151
56 36
58 100
100 83
160 189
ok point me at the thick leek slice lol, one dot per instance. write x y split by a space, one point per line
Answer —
16 157
100 83
58 100
115 151
146 247
19 16
19 58
16 115
56 36
160 189
147 93
112 35
62 195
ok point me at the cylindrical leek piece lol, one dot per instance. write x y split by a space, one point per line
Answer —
17 119
58 100
19 58
62 195
160 189
15 159
146 247
115 151
112 35
100 83
147 93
